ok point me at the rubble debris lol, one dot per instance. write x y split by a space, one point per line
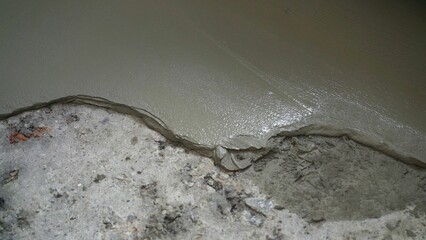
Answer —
168 223
13 175
149 189
72 118
253 218
99 178
261 206
161 145
17 136
215 184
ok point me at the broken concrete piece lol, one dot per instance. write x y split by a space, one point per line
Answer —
262 206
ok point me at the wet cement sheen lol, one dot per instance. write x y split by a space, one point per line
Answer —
215 70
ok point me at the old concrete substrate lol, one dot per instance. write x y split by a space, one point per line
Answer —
80 172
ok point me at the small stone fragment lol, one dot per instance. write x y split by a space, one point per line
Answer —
216 185
13 175
149 189
161 145
56 193
99 178
279 207
253 218
72 118
107 224
261 206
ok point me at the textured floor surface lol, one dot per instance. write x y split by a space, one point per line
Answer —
80 172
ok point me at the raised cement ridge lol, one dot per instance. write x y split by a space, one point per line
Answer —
222 155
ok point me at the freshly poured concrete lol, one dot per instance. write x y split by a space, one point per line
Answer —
229 73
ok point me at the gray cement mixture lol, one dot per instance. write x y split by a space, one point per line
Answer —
227 73
81 172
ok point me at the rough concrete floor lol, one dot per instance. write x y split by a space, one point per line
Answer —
80 172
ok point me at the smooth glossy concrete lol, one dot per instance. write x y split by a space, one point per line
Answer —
229 73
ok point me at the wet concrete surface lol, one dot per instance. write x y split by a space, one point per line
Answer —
228 73
81 172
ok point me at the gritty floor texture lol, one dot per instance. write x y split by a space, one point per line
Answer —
80 172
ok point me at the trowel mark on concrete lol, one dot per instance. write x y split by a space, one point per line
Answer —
240 144
322 178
